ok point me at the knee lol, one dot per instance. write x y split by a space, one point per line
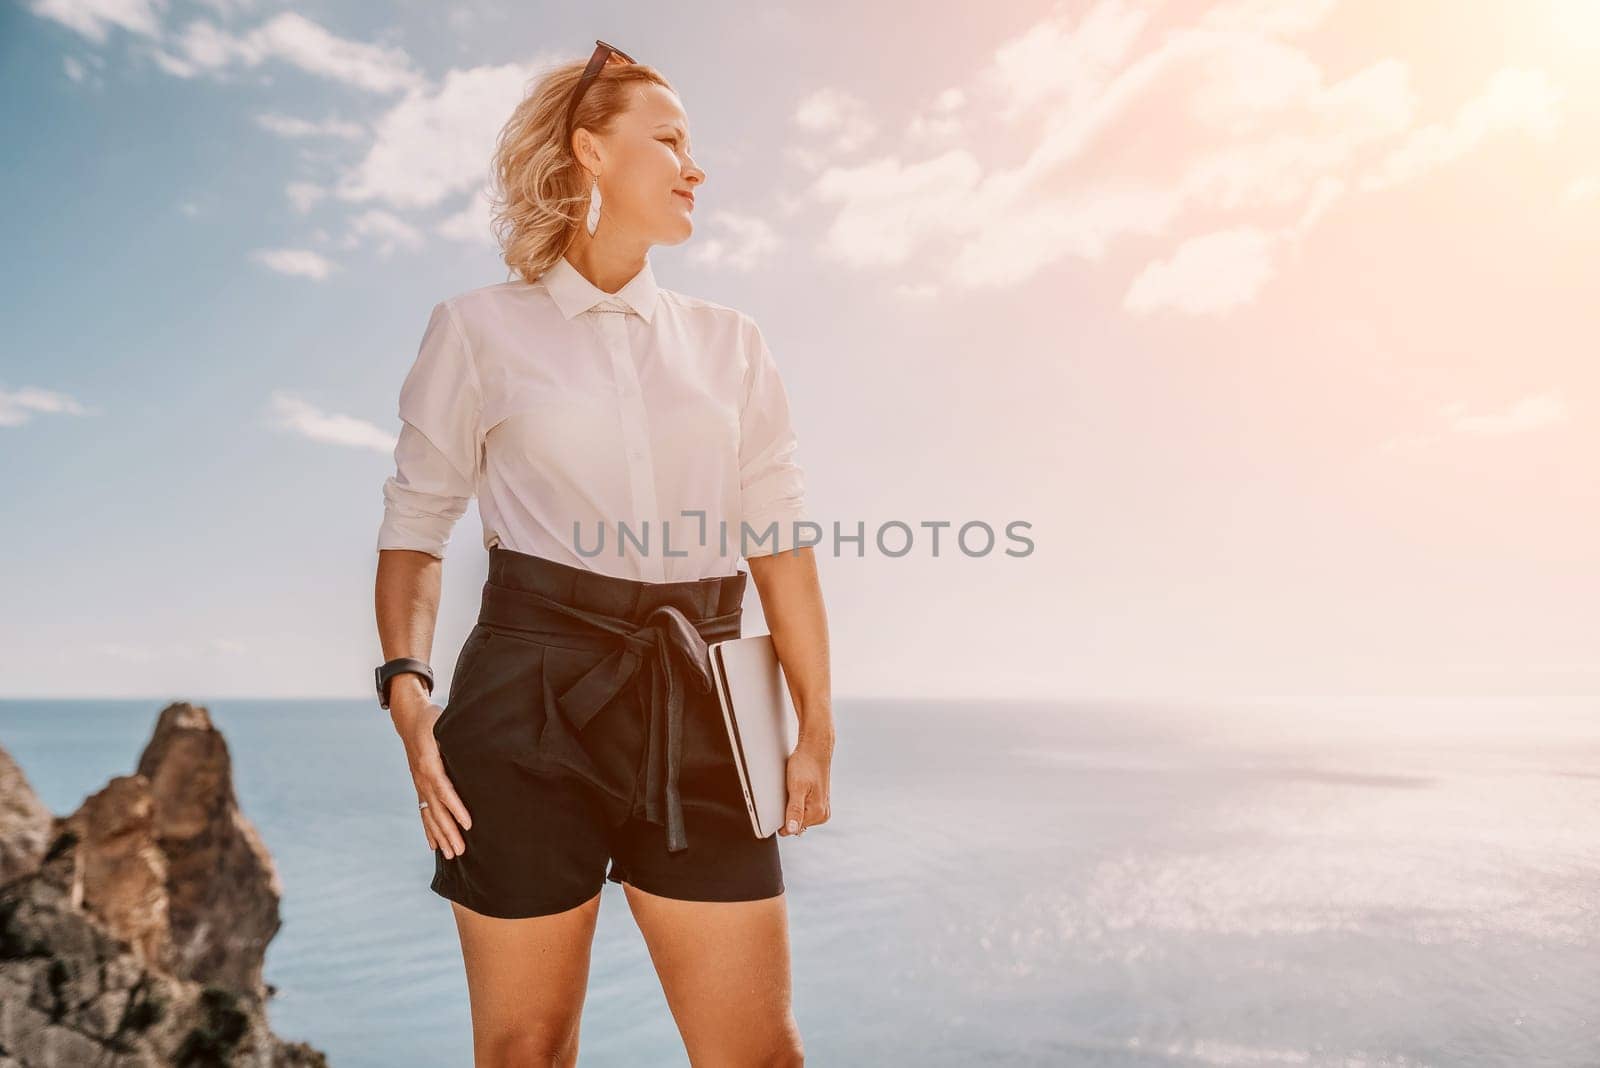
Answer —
789 1055
777 1048
787 1051
527 1047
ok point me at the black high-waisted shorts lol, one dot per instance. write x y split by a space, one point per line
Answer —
581 727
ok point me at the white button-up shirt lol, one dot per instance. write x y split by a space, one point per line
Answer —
583 420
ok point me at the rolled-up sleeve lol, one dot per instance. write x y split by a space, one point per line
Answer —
771 482
437 454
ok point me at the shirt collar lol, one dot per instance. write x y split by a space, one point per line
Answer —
574 294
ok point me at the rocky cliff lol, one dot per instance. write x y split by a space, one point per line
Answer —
132 932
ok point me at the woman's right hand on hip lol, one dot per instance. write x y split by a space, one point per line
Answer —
444 814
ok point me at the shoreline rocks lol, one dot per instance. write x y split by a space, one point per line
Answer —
133 931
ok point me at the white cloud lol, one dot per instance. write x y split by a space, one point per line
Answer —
290 127
18 406
304 195
203 47
126 653
1207 275
1513 100
1374 103
297 262
384 229
807 159
86 69
473 223
229 8
285 411
1218 272
94 18
885 209
437 143
136 653
1323 195
939 124
294 39
1533 412
173 65
1278 17
747 242
1130 136
1207 119
1061 65
935 131
838 114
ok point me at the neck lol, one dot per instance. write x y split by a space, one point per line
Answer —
608 264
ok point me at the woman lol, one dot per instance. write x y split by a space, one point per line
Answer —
578 730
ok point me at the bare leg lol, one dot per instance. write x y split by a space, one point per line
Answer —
721 961
527 979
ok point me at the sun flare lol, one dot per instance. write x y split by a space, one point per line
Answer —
1576 23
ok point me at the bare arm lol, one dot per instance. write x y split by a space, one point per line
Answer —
407 598
407 601
791 600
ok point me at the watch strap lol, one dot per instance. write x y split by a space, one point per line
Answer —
386 673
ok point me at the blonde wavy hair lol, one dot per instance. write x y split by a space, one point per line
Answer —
538 189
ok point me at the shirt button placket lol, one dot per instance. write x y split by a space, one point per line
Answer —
635 434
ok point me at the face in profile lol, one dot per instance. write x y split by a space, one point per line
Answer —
648 177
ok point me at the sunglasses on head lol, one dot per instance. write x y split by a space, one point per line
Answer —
603 54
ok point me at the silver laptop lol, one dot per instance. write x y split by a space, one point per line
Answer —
762 727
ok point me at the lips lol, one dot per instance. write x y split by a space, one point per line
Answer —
687 196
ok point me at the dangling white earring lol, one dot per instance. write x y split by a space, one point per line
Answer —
594 207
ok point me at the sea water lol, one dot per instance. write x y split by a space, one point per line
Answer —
1360 881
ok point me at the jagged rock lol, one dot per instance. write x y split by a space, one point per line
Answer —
121 874
132 932
71 993
222 887
25 822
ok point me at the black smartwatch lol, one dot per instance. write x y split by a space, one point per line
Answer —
386 673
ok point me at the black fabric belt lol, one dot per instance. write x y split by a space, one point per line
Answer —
665 639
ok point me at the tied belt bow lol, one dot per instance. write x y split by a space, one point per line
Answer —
664 631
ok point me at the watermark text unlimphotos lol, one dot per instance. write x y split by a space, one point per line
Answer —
892 538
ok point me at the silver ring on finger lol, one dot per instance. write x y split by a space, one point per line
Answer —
422 804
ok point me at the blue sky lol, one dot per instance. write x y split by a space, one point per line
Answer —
1269 317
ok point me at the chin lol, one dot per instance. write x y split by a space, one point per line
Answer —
679 232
